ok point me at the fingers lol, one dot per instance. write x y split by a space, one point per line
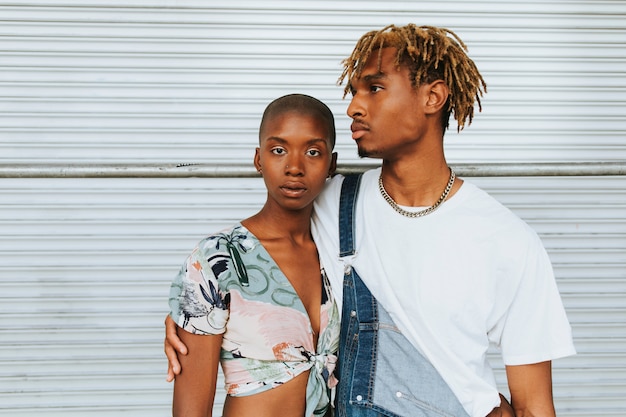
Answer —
173 366
504 410
172 346
170 373
496 412
507 410
171 337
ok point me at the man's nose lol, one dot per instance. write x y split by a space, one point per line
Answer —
355 108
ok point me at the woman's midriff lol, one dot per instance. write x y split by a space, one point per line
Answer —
288 400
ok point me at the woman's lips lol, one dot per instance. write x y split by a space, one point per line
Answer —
294 189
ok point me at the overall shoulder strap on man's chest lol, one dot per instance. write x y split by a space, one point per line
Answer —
347 208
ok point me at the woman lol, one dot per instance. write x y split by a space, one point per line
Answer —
255 297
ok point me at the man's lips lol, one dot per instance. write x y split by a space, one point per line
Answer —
358 129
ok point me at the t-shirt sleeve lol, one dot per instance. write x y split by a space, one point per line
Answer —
536 327
196 303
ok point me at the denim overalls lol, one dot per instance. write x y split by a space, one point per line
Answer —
380 372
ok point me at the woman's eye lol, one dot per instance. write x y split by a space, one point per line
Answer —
375 88
313 152
278 151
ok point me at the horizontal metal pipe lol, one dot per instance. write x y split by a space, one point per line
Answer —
248 171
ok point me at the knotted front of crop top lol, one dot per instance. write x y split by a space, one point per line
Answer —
230 285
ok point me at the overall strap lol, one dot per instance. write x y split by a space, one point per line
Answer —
347 206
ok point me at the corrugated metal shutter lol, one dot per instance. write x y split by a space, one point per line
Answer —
85 266
85 263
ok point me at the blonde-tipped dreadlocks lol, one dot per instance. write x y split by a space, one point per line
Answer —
431 54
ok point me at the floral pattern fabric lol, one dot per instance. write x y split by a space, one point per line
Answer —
230 285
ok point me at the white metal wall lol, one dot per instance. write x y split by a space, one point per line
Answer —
85 263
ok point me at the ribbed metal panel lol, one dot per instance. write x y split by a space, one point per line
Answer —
127 83
86 260
85 268
86 264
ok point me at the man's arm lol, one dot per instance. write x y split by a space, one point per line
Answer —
531 389
172 346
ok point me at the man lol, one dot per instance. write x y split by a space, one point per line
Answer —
439 270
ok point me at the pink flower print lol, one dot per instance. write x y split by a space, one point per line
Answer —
268 328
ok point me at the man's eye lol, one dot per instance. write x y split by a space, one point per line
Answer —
314 152
375 88
278 151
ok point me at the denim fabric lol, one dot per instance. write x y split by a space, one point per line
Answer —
380 372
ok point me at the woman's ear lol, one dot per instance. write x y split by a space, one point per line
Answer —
333 164
257 160
438 93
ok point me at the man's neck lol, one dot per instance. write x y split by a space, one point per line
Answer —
417 184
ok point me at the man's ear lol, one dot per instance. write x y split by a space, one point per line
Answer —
438 93
257 159
333 165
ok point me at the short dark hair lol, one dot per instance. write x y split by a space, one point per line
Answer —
303 104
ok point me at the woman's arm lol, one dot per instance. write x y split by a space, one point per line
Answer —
194 388
531 389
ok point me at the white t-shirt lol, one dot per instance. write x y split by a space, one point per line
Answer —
467 275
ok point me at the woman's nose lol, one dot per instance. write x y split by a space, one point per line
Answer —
294 165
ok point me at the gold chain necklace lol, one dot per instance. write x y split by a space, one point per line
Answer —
420 213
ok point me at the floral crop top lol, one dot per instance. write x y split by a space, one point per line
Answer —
230 285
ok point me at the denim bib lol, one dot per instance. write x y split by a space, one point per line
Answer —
380 371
